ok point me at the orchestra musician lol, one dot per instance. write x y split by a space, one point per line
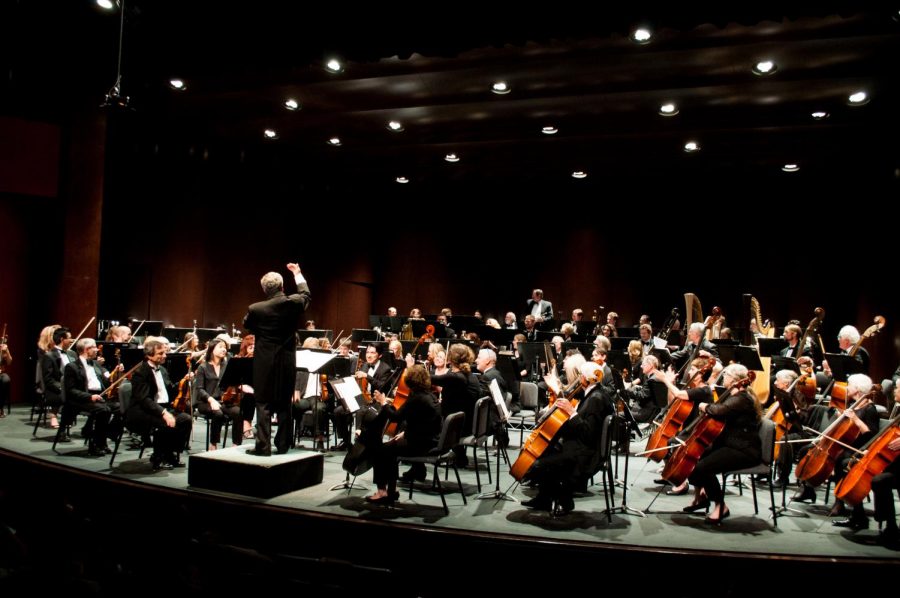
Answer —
847 339
737 447
302 402
53 362
866 420
509 321
248 400
646 333
569 461
421 425
795 408
530 328
540 309
119 334
792 334
84 383
152 392
5 361
274 322
883 486
208 395
694 337
649 397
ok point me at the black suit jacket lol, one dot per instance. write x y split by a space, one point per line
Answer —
75 381
485 381
274 322
680 356
51 374
144 390
546 308
380 379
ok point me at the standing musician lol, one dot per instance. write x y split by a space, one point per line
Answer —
85 382
564 466
151 394
274 322
5 361
537 307
421 426
866 420
738 445
208 395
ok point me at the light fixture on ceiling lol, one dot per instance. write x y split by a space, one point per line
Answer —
402 180
334 141
291 104
820 115
860 98
500 88
790 167
107 4
452 157
549 130
668 109
395 125
691 147
114 97
334 66
641 35
579 174
270 134
177 84
764 67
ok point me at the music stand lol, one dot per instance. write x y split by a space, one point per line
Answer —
742 354
531 354
418 328
626 423
584 328
546 336
586 349
349 393
503 416
313 362
421 351
843 366
359 335
620 343
770 347
785 363
662 355
375 322
467 323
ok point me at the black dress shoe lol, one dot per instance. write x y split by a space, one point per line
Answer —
854 523
565 505
681 492
340 447
259 453
698 506
538 503
411 476
808 494
660 481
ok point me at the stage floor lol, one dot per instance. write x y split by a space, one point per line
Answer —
806 533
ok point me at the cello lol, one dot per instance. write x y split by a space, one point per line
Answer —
402 392
817 464
542 436
855 486
683 461
674 419
839 389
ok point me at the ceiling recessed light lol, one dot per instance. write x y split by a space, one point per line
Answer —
764 67
335 141
668 109
641 35
691 147
790 167
402 180
270 134
579 174
177 84
500 88
858 99
106 4
820 115
451 157
291 104
395 126
549 130
334 66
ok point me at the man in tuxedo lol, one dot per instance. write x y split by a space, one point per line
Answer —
566 464
792 334
85 382
646 332
52 364
151 393
274 322
537 307
530 328
694 337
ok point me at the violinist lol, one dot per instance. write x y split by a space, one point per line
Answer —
345 347
84 382
152 392
866 420
737 447
567 463
191 344
396 349
208 395
421 423
608 331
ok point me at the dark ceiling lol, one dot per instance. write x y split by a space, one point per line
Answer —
576 71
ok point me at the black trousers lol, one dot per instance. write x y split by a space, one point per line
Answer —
217 420
98 410
718 461
883 486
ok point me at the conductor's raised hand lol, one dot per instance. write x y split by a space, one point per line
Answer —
294 268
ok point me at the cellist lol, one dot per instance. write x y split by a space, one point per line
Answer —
737 447
883 486
563 466
866 420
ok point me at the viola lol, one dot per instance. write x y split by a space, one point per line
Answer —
674 419
818 463
402 392
683 461
182 399
855 486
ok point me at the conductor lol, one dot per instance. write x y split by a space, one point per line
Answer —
274 322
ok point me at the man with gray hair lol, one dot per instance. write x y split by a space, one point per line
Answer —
274 322
84 382
694 338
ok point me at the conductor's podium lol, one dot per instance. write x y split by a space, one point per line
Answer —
233 470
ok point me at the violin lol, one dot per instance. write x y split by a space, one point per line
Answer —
708 428
183 398
402 392
678 412
363 382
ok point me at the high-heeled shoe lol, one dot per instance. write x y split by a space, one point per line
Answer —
696 506
723 515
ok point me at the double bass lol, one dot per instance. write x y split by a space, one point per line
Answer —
839 389
683 461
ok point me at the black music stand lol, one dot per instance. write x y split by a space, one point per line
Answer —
356 393
742 354
625 423
499 402
314 362
842 366
421 353
359 335
586 349
419 326
620 343
770 347
467 323
531 353
784 363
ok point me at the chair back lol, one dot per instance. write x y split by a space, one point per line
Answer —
528 395
451 432
767 440
600 460
481 421
124 396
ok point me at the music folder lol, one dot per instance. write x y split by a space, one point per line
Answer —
347 390
499 400
312 361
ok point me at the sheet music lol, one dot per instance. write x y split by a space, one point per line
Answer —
499 400
347 390
312 386
312 361
659 343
